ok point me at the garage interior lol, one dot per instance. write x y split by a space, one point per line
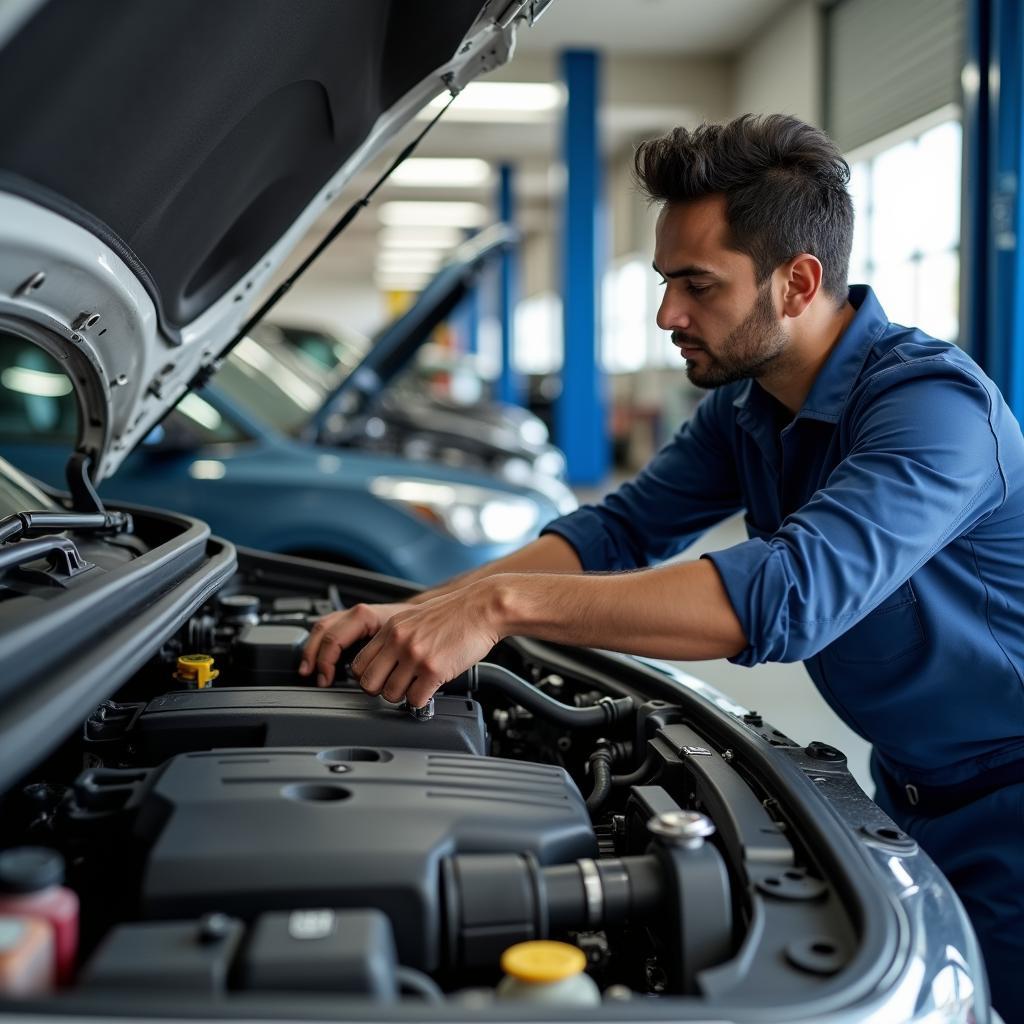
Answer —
891 80
281 382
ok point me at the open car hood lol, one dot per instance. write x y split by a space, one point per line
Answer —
149 198
396 345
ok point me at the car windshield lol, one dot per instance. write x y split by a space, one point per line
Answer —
338 354
273 389
20 494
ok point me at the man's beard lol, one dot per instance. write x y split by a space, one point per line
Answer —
746 352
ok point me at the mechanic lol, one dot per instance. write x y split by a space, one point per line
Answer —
882 478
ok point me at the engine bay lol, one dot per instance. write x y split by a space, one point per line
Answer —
229 829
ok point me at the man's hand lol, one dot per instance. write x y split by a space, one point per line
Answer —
333 633
419 649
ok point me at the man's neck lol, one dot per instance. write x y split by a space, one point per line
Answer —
790 378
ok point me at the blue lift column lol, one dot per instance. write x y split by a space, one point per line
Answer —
509 384
992 318
581 428
467 316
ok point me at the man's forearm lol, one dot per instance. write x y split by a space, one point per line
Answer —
679 611
547 554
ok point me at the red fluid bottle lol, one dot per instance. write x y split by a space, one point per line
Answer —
31 880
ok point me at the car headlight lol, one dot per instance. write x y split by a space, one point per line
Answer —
472 515
551 463
533 432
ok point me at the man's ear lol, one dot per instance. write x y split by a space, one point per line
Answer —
801 279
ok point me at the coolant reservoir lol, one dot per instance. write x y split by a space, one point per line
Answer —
547 972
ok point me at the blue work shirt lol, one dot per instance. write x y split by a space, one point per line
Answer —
886 550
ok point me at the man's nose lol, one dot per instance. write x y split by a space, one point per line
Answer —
672 314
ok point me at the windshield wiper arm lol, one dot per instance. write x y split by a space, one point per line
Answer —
21 523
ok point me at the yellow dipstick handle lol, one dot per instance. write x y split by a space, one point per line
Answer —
196 670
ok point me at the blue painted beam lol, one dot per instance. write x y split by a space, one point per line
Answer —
581 427
467 316
992 262
509 384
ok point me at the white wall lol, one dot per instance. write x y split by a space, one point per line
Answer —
780 70
322 302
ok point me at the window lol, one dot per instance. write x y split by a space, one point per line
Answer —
906 245
631 339
538 337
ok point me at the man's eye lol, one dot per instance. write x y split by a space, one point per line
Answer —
697 289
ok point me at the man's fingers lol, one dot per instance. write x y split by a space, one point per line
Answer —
312 646
397 683
375 674
327 658
421 690
330 636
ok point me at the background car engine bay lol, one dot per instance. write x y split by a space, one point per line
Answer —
229 831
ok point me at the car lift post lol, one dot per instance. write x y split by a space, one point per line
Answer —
992 286
580 416
509 384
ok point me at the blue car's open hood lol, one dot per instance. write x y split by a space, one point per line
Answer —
395 346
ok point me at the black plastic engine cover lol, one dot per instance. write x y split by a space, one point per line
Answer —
287 716
244 832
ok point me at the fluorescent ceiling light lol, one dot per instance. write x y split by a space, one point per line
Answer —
423 237
400 285
417 262
393 280
433 172
500 101
459 215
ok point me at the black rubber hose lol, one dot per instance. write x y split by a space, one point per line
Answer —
638 775
607 711
600 762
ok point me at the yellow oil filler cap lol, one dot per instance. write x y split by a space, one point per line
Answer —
543 961
196 671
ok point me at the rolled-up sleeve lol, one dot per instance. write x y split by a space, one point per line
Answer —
923 468
688 487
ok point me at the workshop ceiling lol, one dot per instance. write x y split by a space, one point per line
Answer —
659 55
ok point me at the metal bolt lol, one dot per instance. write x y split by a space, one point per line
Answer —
423 714
727 755
681 828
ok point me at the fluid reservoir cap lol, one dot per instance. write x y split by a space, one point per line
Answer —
30 868
542 961
196 670
239 604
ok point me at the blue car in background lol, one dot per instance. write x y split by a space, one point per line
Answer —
235 455
379 394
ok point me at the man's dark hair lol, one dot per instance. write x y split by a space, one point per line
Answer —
784 184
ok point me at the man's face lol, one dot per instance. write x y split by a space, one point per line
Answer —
722 322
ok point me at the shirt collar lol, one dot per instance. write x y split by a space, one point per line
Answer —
835 380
